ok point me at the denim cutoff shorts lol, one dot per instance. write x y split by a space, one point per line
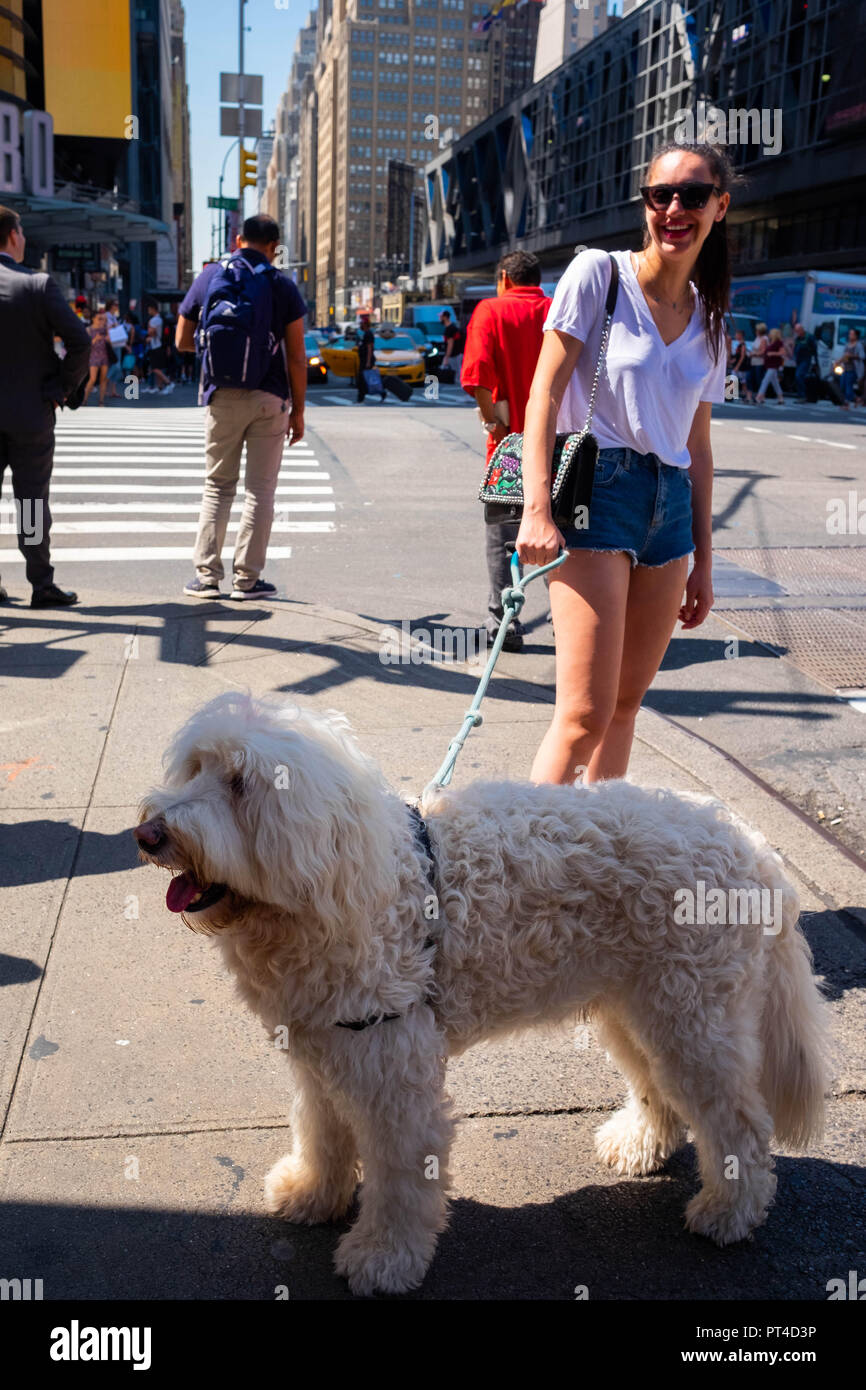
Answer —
639 505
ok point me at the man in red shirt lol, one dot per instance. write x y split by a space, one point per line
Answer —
503 341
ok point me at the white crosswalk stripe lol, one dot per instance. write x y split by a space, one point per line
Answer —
141 478
448 394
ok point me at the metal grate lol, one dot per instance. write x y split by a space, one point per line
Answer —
827 643
805 570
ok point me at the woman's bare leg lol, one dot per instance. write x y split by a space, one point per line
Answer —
91 382
655 596
588 597
103 382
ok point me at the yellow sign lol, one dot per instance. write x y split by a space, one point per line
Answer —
86 48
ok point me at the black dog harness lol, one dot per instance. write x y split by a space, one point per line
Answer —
422 841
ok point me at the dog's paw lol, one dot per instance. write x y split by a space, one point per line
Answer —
293 1191
712 1214
379 1265
628 1144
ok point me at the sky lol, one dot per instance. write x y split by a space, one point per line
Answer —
212 48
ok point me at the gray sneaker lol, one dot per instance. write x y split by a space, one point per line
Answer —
261 589
202 588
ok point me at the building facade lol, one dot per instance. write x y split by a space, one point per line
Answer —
512 44
273 200
113 215
307 194
394 79
565 27
561 165
181 171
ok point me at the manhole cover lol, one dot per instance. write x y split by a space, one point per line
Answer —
827 643
803 570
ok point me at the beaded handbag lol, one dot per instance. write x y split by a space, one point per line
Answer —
574 455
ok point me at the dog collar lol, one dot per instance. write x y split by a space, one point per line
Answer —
422 840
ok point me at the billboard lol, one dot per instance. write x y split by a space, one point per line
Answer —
87 57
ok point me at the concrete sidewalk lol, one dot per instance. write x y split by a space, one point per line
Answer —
142 1105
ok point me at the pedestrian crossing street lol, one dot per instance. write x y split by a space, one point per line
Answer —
127 485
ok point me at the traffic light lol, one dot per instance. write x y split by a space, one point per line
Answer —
249 172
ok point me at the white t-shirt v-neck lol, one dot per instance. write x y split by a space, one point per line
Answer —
648 392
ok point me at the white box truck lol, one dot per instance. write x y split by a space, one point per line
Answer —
827 302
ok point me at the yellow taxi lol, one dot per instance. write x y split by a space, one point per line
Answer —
396 355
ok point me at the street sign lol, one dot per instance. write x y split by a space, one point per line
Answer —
230 122
227 204
246 87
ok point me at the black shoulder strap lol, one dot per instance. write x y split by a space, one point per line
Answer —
613 287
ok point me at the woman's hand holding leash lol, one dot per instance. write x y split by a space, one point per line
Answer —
539 540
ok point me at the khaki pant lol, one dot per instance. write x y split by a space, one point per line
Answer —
236 417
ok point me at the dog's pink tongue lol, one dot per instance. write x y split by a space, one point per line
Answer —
181 892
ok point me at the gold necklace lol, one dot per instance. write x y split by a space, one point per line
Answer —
668 304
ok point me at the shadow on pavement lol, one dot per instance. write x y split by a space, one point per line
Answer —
841 970
18 970
37 850
190 636
684 704
623 1241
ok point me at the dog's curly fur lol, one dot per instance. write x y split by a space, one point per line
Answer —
552 902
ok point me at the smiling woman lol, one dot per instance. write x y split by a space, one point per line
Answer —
616 599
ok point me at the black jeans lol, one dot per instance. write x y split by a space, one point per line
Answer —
29 456
498 568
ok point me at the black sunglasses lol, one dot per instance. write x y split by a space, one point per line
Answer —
692 195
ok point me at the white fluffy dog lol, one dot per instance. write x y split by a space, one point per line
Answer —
549 902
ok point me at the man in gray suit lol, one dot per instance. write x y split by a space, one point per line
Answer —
33 382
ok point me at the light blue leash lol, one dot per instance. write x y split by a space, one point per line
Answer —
513 599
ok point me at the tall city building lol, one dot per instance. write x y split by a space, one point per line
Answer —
279 162
181 172
264 154
151 176
565 26
282 194
303 64
394 80
13 63
511 48
114 216
404 226
307 189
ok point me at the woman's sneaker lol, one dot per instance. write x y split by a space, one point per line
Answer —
202 588
261 589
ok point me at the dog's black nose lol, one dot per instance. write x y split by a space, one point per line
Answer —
150 833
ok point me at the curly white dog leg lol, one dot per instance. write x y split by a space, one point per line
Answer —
640 1137
404 1130
317 1180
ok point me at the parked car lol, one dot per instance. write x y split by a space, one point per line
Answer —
396 354
317 370
432 353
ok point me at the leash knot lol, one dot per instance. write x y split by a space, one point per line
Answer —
513 598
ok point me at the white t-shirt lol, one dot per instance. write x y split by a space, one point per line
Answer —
647 392
154 331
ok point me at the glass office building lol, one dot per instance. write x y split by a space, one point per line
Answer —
561 165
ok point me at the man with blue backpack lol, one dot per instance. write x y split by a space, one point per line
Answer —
250 321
